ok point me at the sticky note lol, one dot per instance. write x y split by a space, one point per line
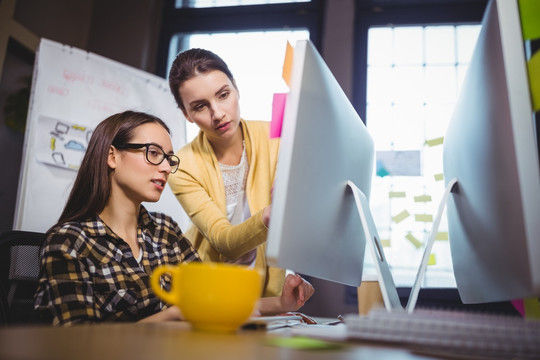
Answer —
438 177
434 142
422 198
278 110
432 260
534 79
530 13
287 64
532 308
518 304
386 242
399 163
441 235
381 170
417 244
396 194
401 216
423 217
301 343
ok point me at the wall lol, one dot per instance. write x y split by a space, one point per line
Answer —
122 30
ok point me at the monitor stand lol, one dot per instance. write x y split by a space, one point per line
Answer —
413 297
386 281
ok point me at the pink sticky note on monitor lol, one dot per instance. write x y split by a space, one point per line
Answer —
278 109
520 306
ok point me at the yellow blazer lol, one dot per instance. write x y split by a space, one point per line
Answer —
198 186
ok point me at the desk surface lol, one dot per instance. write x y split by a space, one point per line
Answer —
172 340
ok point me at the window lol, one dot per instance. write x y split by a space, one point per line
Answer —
413 79
178 24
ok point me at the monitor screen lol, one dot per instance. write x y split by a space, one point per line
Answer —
491 149
315 228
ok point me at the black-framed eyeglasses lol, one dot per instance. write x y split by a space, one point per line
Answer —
154 154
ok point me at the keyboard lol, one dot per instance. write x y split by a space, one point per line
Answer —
450 333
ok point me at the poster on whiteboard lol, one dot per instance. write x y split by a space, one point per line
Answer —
72 91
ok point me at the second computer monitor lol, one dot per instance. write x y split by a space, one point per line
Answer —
490 148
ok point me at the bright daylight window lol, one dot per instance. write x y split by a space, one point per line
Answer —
256 62
216 3
414 75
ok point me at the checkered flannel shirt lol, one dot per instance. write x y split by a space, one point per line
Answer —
89 274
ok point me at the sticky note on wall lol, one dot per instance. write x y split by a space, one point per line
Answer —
287 64
422 198
401 216
435 142
417 243
398 163
534 78
423 217
442 235
530 13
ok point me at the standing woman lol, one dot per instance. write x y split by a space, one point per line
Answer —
97 260
225 180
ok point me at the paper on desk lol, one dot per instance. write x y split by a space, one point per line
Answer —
328 332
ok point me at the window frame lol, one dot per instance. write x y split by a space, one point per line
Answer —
288 16
372 13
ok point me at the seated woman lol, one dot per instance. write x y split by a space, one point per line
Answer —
97 260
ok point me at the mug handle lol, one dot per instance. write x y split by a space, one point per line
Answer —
168 296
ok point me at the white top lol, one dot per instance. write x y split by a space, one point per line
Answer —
234 180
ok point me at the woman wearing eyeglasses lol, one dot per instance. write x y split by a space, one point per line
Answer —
96 261
225 180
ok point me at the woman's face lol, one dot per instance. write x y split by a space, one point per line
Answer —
211 102
134 177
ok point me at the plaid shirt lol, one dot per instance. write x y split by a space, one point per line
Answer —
89 274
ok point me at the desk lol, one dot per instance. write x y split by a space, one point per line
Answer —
171 340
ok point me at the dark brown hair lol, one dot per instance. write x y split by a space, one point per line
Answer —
92 186
190 63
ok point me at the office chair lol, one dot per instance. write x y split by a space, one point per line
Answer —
19 272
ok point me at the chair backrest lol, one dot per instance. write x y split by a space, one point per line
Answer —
19 273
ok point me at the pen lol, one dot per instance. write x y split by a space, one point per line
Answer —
340 320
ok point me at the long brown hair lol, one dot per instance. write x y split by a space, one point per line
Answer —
190 63
92 186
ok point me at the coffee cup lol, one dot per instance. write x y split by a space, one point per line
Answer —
211 296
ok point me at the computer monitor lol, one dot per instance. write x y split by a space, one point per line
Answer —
323 180
491 149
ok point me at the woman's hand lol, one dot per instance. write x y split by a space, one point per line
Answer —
296 291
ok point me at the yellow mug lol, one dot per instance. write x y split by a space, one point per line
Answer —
212 296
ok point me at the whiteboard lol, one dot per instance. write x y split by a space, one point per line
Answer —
72 91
